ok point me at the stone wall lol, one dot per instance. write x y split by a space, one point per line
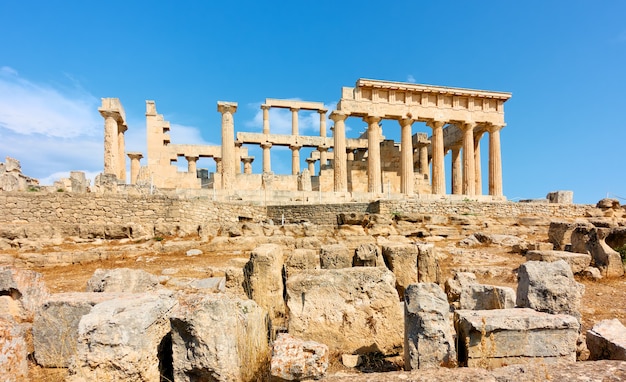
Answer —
323 214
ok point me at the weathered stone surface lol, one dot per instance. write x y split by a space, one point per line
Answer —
124 339
455 286
560 233
607 340
264 281
563 197
122 280
26 287
577 261
608 203
13 351
301 259
297 360
353 219
592 273
428 270
549 287
497 239
215 338
335 256
55 329
352 310
194 252
492 338
428 337
485 297
401 259
605 258
368 255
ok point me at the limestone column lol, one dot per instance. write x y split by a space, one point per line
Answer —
228 143
294 121
267 165
192 165
266 118
134 166
406 158
439 175
218 164
350 153
477 163
247 164
373 154
469 171
311 165
322 122
339 151
238 160
111 151
495 161
323 157
295 159
121 148
423 152
456 176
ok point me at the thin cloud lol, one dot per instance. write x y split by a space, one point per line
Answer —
410 79
280 120
30 108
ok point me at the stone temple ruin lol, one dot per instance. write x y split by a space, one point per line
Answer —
369 165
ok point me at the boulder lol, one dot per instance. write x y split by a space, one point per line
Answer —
484 297
55 329
352 310
498 337
13 350
125 339
428 335
25 287
455 286
401 259
428 270
592 241
549 287
607 340
591 273
560 233
215 338
368 255
297 360
577 261
335 256
123 280
264 281
608 203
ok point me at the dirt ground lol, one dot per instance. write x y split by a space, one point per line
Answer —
494 265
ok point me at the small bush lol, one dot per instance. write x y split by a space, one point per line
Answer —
622 252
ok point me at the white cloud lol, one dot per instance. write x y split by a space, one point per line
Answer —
30 108
410 79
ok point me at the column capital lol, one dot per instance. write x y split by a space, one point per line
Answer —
226 107
191 157
294 109
371 119
265 107
134 155
337 115
310 160
322 111
434 124
217 159
266 145
464 125
247 159
322 148
406 121
295 147
111 114
493 127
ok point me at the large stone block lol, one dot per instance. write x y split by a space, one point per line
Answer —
560 233
25 287
577 261
549 287
217 338
401 259
125 339
13 351
485 297
592 241
297 360
352 310
607 340
301 259
455 286
55 329
368 255
499 337
123 280
428 270
428 336
264 281
335 256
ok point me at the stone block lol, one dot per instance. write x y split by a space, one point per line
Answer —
264 281
352 310
577 261
297 360
499 337
26 287
335 256
455 286
401 259
428 270
485 297
549 287
301 259
123 280
125 339
592 241
13 351
353 218
368 255
607 340
55 329
560 233
562 197
216 338
428 336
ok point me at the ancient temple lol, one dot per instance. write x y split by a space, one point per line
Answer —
458 118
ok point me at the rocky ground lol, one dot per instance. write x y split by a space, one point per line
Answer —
494 263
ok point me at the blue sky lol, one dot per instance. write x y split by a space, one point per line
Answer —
564 62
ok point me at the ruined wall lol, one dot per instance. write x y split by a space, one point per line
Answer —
323 214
